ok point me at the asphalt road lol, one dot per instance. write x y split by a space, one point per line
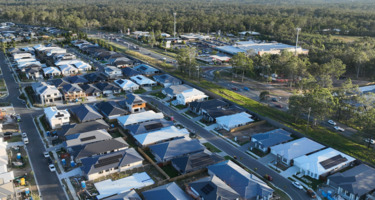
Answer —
48 182
244 158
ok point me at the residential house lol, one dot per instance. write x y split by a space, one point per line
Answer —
161 135
129 72
170 191
76 79
68 70
56 118
146 69
85 138
112 72
211 188
149 126
59 83
174 90
82 127
46 94
135 103
50 72
190 95
202 107
90 90
230 122
7 191
211 114
167 80
137 118
85 113
167 151
129 195
94 77
72 92
194 162
287 152
66 62
110 110
123 63
143 81
82 66
263 141
126 85
355 183
108 88
103 165
33 72
247 185
322 163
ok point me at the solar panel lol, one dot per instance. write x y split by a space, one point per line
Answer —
331 162
116 157
108 161
207 189
154 126
87 138
201 161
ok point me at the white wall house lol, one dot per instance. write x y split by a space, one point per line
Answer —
68 70
82 66
56 118
191 95
126 85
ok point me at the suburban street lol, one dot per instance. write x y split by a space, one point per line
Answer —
231 150
48 182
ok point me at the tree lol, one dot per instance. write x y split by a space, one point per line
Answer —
263 95
186 59
217 75
151 39
242 63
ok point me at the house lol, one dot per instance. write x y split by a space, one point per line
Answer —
112 72
194 162
76 79
135 103
83 127
354 183
287 152
247 185
68 70
211 114
123 63
129 72
126 85
263 141
66 62
58 83
46 94
103 165
51 72
175 90
160 135
211 188
33 72
148 126
84 138
94 77
167 151
56 118
167 80
85 113
101 148
202 107
137 118
190 95
108 88
110 110
82 66
90 90
146 69
231 122
72 92
322 163
170 191
7 191
123 189
143 81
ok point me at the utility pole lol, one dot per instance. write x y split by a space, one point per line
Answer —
298 30
308 118
174 27
198 73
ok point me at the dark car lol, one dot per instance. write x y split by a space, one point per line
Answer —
274 99
311 193
8 134
268 177
279 106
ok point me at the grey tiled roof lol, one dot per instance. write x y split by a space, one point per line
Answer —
214 188
102 147
271 138
86 113
195 161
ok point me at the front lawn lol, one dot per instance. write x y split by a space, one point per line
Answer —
139 91
170 170
180 107
159 95
211 147
158 87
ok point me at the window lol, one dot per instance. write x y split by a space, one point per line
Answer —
48 95
55 94
65 118
107 170
116 168
101 172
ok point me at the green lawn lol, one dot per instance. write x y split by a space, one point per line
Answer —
159 95
139 91
211 147
158 87
17 138
180 107
258 152
170 170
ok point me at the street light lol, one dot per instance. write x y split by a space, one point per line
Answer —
298 30
198 72
174 27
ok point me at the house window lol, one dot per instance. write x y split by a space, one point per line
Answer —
107 170
116 168
101 172
55 94
48 95
65 118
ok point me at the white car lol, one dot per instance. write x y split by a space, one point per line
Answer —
46 154
371 141
24 135
25 140
297 185
52 167
331 122
338 128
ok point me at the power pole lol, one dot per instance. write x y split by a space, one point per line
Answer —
174 28
298 30
308 118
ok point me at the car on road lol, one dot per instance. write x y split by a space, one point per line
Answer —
274 99
24 135
246 89
311 193
297 185
25 140
279 106
52 167
368 140
338 128
331 122
46 154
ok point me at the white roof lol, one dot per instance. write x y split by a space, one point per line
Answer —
139 117
160 135
50 70
126 84
234 120
66 62
51 112
193 92
221 58
142 80
3 152
81 65
67 68
296 148
7 176
108 187
313 161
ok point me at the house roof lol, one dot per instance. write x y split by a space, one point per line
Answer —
86 113
169 191
145 127
176 89
296 148
94 77
160 135
130 195
214 188
125 84
166 78
76 79
209 104
83 127
59 82
174 148
195 161
248 186
106 86
70 88
53 112
323 161
271 138
134 99
139 117
81 65
142 80
129 72
110 69
90 89
110 108
51 70
223 111
67 67
87 137
102 147
7 189
92 165
234 120
42 88
358 180
143 68
192 93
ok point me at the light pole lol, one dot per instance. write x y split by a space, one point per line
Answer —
308 118
298 30
174 27
198 73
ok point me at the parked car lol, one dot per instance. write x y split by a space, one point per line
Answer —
297 185
279 106
311 193
8 134
18 118
52 167
268 177
24 135
367 140
246 89
338 128
331 122
46 154
25 140
274 99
